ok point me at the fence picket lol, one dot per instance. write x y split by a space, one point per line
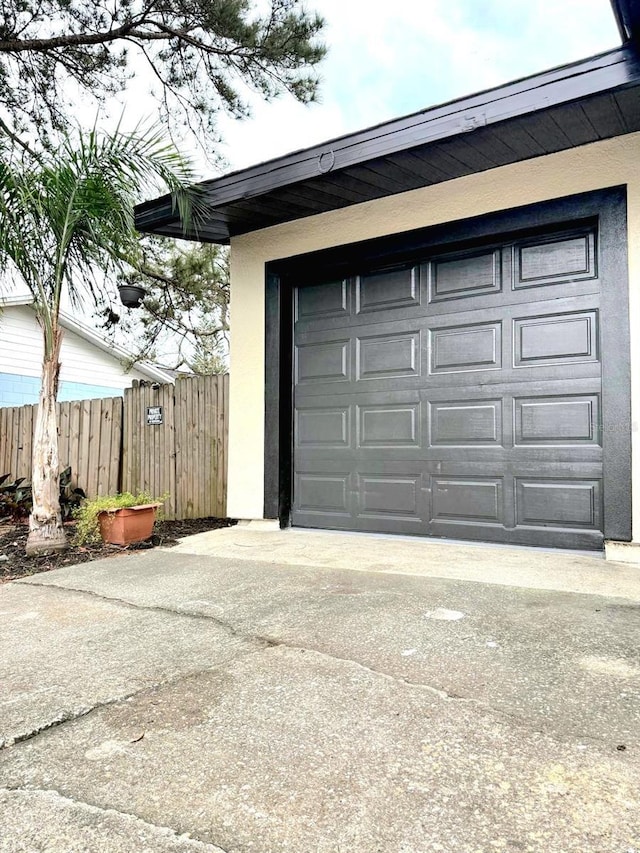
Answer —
111 448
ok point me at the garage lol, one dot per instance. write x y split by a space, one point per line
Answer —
434 319
458 391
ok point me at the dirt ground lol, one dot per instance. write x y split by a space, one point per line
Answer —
13 538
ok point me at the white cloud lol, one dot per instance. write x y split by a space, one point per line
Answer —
387 60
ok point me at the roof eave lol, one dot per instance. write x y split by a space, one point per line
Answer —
115 351
233 194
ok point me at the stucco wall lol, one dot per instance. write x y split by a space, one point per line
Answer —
597 166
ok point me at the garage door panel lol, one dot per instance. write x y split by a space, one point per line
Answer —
383 326
456 349
457 397
323 426
326 521
559 305
388 355
568 420
375 523
465 423
535 376
485 424
543 268
559 503
554 293
560 258
407 326
440 387
389 425
369 322
391 496
496 464
324 361
467 499
508 298
455 385
583 461
323 492
501 309
557 338
330 299
541 537
388 289
464 275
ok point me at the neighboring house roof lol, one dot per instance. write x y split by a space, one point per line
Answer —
92 336
573 105
176 372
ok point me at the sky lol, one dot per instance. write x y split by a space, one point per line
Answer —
388 59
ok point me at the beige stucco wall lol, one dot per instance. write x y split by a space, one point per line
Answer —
602 164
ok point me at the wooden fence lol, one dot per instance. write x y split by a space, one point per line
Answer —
185 456
169 440
89 440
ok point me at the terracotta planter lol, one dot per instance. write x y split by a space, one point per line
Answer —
124 526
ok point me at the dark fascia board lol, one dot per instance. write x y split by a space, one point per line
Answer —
610 71
627 14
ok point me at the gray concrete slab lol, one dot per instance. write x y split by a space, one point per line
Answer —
79 828
530 568
259 705
533 568
291 750
564 662
62 653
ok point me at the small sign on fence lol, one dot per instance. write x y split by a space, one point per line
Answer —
108 452
154 415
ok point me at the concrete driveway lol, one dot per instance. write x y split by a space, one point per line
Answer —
258 692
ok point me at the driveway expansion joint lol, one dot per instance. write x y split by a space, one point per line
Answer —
95 809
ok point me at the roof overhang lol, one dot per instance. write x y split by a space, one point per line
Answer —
576 104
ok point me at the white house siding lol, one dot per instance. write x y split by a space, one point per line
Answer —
87 371
603 164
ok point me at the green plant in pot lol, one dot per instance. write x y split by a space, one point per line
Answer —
120 519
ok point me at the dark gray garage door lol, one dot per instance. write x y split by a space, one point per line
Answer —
457 396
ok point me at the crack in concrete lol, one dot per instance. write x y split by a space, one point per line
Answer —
445 696
175 835
78 714
157 608
266 642
441 694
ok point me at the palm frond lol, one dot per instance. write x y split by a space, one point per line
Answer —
66 220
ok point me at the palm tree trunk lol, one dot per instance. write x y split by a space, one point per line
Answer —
46 533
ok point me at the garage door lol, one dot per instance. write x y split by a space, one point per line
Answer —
456 395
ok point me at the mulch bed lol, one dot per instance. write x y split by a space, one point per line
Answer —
13 538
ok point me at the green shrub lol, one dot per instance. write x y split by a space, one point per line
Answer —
16 498
88 528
